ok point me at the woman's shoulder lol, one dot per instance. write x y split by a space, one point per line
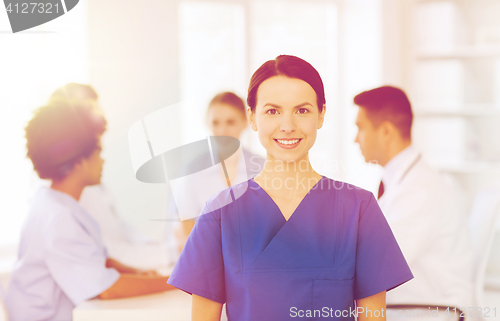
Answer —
227 196
347 200
48 203
47 209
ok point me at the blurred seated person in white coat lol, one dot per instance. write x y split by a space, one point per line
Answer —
61 258
122 241
425 213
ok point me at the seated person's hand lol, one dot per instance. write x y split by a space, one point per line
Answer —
147 272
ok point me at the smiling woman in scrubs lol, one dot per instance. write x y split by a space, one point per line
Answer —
294 244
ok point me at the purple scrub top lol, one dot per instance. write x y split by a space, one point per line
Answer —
335 248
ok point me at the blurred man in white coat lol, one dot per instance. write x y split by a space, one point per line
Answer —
424 211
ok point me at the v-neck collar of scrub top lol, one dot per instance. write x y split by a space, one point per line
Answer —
276 205
396 169
267 234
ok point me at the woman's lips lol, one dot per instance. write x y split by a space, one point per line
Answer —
288 143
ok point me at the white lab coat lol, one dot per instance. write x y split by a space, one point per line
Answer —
61 260
123 242
429 221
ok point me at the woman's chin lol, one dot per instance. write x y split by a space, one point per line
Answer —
279 157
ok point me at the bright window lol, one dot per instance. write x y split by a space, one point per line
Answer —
33 63
223 43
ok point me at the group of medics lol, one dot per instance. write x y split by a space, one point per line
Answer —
260 249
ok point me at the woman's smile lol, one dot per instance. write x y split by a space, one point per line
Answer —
288 143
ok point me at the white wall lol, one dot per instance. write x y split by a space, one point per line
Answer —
360 68
33 63
134 69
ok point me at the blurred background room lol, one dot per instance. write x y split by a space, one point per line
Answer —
141 56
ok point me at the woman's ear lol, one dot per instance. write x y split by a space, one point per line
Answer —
251 119
80 164
76 168
321 117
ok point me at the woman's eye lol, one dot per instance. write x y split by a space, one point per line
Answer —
303 110
272 111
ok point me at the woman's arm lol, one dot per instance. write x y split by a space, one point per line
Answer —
133 284
120 267
367 307
125 269
182 233
205 310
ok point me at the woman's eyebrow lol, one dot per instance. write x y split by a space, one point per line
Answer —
278 106
302 105
272 105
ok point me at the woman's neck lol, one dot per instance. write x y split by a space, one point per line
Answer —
287 176
68 187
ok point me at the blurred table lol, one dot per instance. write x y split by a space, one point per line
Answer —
170 305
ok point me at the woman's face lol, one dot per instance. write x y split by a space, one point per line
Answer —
92 166
286 118
226 120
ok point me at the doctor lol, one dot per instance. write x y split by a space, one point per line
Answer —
62 260
424 212
291 242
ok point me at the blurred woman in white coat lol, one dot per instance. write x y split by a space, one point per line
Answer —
122 240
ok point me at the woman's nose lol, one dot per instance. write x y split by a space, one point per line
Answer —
287 124
221 131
